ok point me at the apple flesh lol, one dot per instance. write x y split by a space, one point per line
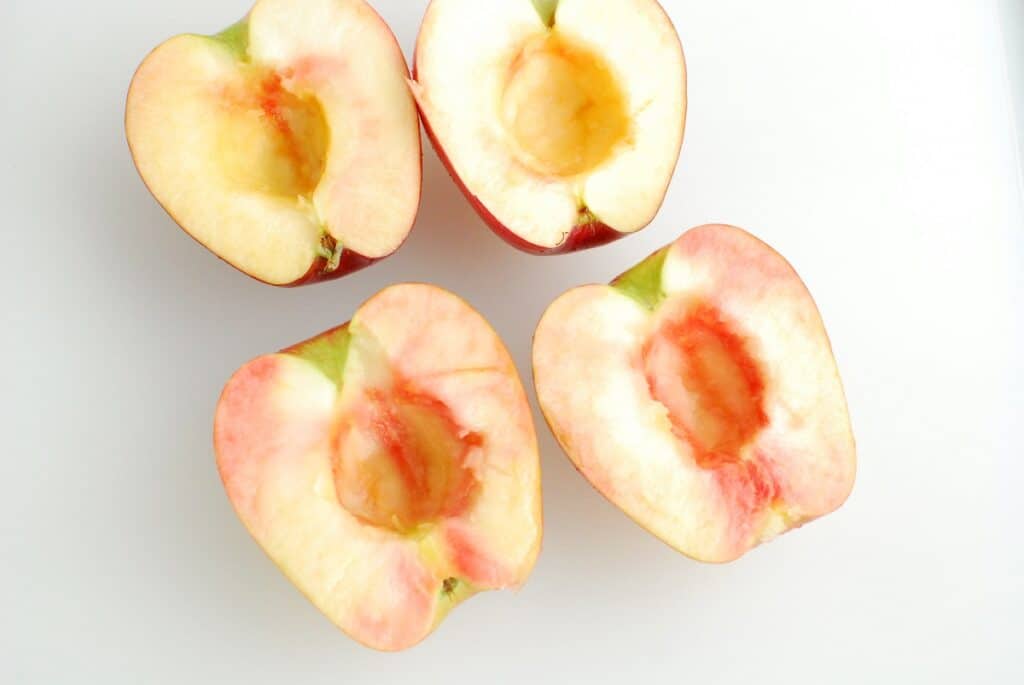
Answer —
700 394
389 467
288 145
561 121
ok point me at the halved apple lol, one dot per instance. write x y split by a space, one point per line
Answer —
288 145
700 395
561 120
389 467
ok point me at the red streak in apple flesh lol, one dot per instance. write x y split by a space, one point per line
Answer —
701 370
408 465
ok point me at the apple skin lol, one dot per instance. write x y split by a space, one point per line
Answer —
643 281
349 263
587 234
327 351
235 37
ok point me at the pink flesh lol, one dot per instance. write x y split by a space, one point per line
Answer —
471 559
748 487
415 587
251 430
314 72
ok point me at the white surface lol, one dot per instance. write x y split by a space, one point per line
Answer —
870 142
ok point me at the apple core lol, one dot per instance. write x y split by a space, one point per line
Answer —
272 140
401 460
563 107
700 369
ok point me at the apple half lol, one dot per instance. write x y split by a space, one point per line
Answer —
700 394
389 467
561 120
288 145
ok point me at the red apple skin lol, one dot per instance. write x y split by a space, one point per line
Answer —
350 262
582 237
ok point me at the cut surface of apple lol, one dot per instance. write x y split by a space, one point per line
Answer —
561 120
389 467
700 395
288 145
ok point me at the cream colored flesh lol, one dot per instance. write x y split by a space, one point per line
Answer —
216 142
541 123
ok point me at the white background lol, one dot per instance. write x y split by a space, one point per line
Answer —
871 142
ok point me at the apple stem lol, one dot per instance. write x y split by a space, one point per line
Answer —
330 249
